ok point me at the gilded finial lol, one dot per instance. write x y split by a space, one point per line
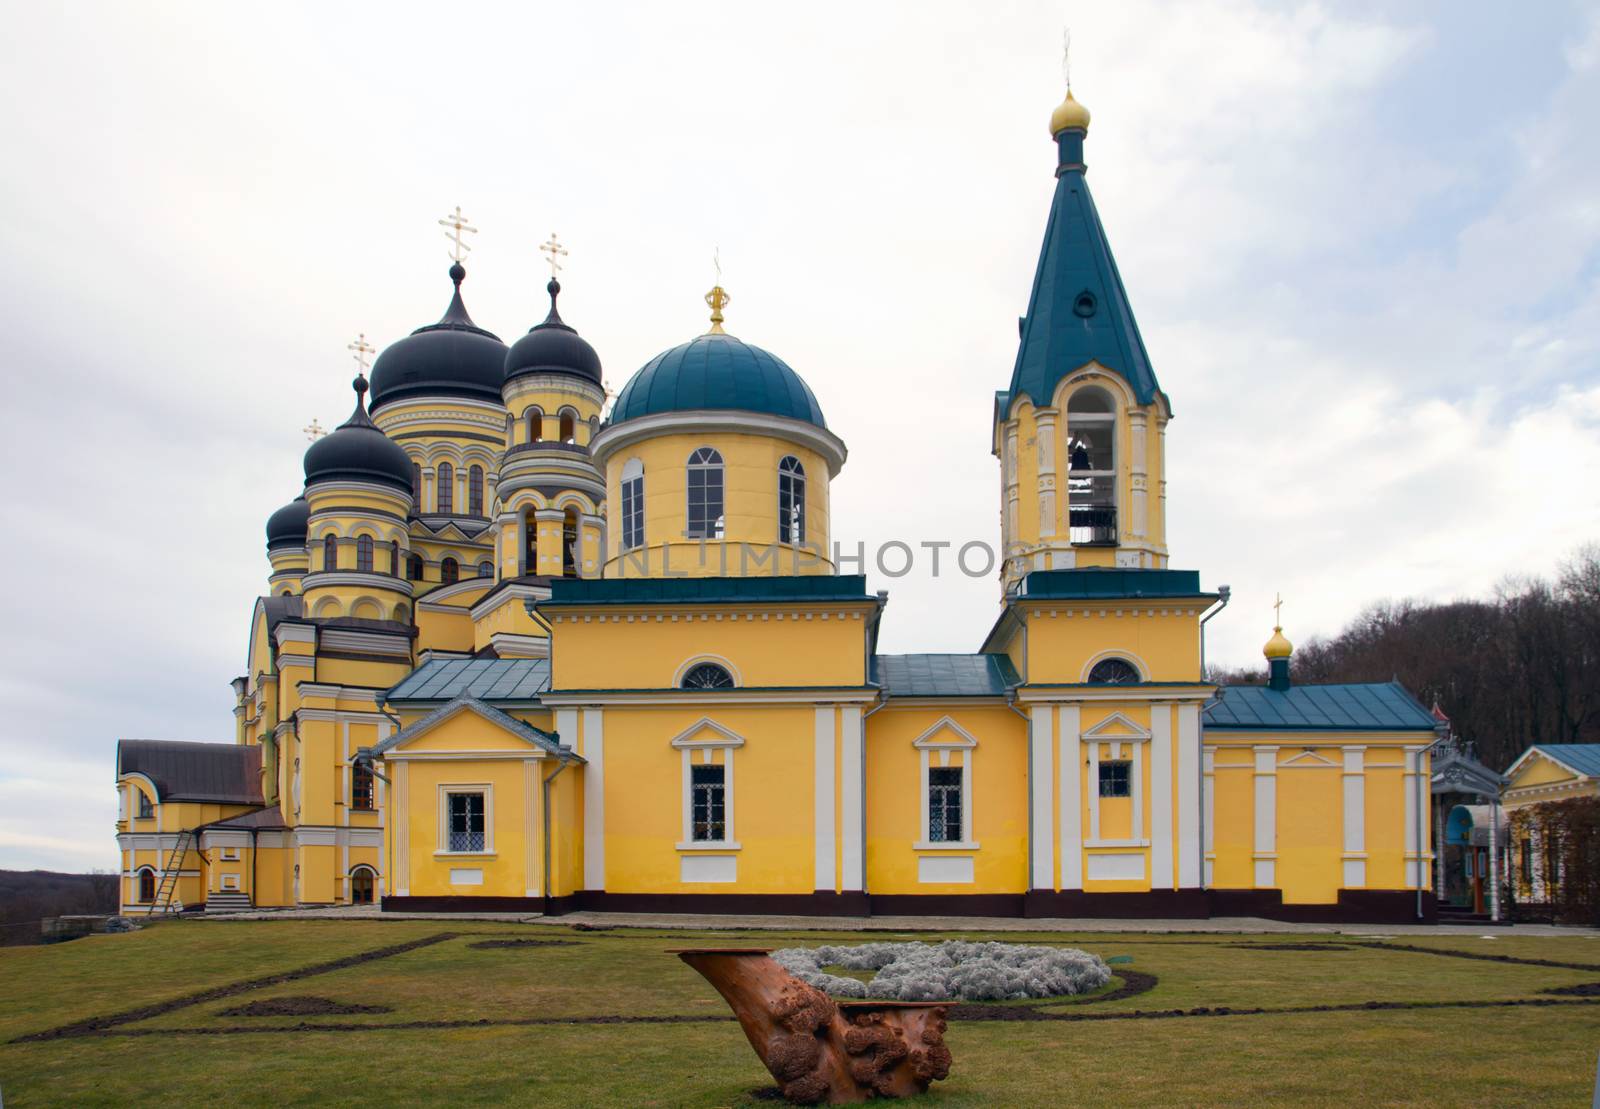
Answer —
554 252
454 224
362 348
718 298
314 431
1069 114
1278 646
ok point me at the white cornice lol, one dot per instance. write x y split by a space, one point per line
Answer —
1122 693
323 579
617 437
712 697
513 592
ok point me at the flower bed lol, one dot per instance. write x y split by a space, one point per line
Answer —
950 970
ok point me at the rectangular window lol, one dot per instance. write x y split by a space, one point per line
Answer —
1527 859
633 513
361 786
708 803
146 810
466 822
230 854
944 804
1115 779
705 502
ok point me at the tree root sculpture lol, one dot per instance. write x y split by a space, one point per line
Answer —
820 1050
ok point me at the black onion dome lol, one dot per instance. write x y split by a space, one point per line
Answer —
454 357
287 526
358 451
553 347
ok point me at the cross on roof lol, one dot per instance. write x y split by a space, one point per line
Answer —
454 224
362 348
1277 610
554 252
314 431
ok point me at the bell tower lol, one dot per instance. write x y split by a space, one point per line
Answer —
1080 432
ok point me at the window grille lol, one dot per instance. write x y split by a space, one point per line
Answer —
449 571
1116 779
146 810
708 803
330 553
447 493
1114 671
364 554
944 804
147 885
475 491
361 786
707 675
632 507
791 501
705 495
466 822
486 569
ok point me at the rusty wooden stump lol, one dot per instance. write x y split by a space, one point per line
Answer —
821 1050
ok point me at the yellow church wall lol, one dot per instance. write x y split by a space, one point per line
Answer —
998 781
1539 771
444 631
1385 815
1065 638
750 504
772 790
512 855
1310 832
1233 821
509 616
821 645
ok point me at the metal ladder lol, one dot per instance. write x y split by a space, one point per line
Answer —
169 875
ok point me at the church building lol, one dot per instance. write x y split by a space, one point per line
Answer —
519 652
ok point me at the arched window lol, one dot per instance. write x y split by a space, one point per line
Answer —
361 787
146 809
414 567
416 485
705 495
1091 467
707 675
394 557
569 425
486 569
475 491
1114 671
535 425
569 543
147 885
449 571
791 500
447 491
632 504
364 553
330 553
530 542
361 885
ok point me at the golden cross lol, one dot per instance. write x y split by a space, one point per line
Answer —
454 224
1277 610
718 297
1066 56
314 431
362 348
554 252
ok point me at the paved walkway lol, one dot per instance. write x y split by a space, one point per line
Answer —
699 922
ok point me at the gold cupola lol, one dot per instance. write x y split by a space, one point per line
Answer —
1069 115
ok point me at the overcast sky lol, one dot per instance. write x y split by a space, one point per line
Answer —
1361 242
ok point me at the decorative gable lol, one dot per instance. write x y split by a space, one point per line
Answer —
945 734
1116 727
706 732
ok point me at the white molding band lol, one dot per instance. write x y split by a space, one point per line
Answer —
1070 753
1041 744
1266 817
852 806
1160 797
1355 818
1190 863
594 800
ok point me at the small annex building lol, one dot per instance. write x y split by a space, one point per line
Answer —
521 651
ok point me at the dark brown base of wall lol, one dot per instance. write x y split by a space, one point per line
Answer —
1353 906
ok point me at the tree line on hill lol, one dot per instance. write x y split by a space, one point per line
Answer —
28 896
1520 668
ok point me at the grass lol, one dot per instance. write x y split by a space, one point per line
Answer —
1451 1051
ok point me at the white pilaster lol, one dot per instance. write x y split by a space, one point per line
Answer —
1041 781
1355 818
594 800
1414 784
852 805
1160 797
1070 755
1208 762
1266 817
825 873
1188 791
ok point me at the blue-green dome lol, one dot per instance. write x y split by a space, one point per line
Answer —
717 372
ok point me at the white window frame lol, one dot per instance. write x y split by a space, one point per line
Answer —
705 737
1125 739
443 844
230 883
714 524
230 854
632 505
941 741
797 496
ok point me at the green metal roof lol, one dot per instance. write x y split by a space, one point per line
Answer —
633 591
981 675
1103 583
717 372
1078 311
1380 707
485 679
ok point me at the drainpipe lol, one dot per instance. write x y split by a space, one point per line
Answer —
1224 595
544 785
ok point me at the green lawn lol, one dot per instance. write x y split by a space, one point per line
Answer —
480 1026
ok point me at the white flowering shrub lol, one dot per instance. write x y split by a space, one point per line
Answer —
952 969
